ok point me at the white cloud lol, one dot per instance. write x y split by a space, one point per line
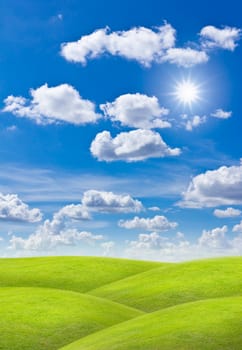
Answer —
211 243
158 223
74 211
225 38
214 238
109 202
147 241
222 186
227 213
141 44
58 223
44 240
194 122
221 114
185 57
153 246
137 110
57 232
47 105
146 45
132 146
13 209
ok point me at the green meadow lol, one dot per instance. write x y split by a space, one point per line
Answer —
77 303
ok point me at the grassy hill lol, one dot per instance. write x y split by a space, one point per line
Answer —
203 325
42 318
174 284
117 304
78 274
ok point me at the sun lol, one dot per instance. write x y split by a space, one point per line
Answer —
187 92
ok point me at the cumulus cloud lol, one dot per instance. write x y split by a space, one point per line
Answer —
147 241
141 44
109 202
225 38
222 186
221 114
227 213
157 247
44 240
61 229
146 45
214 238
48 105
56 232
185 57
76 212
132 146
137 110
212 243
73 211
12 208
158 223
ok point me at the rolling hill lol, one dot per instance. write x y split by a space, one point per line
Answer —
174 284
202 325
77 303
72 273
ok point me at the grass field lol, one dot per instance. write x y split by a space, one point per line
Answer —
177 283
77 303
208 325
78 274
42 318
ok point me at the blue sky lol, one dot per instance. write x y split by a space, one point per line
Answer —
100 152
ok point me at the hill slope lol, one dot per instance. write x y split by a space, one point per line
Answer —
203 325
41 318
43 306
174 284
71 273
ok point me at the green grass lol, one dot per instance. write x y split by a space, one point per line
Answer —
71 273
116 304
177 283
203 325
41 318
